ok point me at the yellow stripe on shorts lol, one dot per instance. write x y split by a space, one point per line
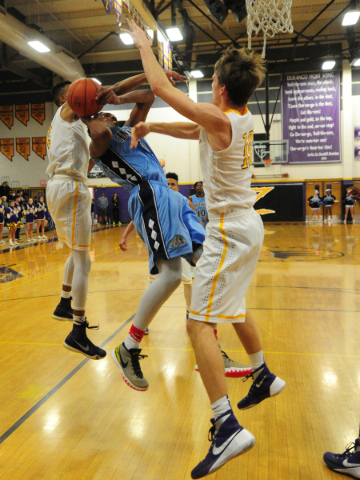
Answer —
216 276
228 317
74 215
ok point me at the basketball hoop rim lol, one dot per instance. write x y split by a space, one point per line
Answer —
267 161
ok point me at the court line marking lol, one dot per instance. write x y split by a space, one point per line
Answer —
57 387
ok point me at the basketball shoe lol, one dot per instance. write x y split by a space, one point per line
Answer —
233 369
129 363
64 311
347 463
77 341
229 440
264 386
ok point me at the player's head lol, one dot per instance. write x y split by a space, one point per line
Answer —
59 92
173 181
108 118
237 74
198 186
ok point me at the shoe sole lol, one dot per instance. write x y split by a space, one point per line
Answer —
276 387
337 469
233 372
62 319
75 350
126 380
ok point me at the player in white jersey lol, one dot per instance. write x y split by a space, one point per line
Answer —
69 201
234 234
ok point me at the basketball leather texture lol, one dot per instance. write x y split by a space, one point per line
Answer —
81 97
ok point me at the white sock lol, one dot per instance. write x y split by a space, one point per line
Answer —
256 359
65 294
221 406
131 343
78 320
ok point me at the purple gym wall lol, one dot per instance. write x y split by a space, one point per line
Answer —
311 117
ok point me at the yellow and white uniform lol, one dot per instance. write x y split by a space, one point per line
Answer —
234 234
68 196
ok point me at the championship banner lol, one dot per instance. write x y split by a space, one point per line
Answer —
118 11
107 5
311 117
7 115
39 146
7 147
38 112
22 113
23 147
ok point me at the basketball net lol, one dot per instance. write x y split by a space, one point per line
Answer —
268 16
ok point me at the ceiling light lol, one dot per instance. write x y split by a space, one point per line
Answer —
196 74
126 38
355 62
350 18
328 65
97 81
39 47
150 33
174 34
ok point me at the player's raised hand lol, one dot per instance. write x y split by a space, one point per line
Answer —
174 76
122 244
354 192
138 132
107 96
139 36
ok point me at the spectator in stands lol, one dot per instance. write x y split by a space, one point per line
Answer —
10 196
5 189
4 202
102 203
115 209
22 199
314 202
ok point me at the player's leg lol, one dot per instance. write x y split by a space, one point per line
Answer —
43 228
265 383
27 232
77 340
64 311
31 228
127 355
38 223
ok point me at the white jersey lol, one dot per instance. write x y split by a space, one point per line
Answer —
227 176
68 150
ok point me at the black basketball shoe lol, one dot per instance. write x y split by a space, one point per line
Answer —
63 311
77 341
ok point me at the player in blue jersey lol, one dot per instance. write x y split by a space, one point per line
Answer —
162 217
199 203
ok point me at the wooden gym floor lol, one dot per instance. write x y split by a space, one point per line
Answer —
63 417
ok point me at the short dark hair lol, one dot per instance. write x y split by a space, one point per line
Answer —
199 181
172 175
242 71
17 196
57 90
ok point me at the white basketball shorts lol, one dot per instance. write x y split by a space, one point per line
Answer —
69 203
226 267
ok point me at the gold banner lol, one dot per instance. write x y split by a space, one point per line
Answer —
39 146
7 147
22 113
23 147
7 115
38 112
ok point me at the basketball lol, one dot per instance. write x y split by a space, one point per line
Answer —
81 97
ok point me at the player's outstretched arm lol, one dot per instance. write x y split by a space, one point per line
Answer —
143 100
208 116
186 130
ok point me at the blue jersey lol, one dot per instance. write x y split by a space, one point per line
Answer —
162 217
200 208
130 167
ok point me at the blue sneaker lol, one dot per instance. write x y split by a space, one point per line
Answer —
266 385
347 463
228 441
